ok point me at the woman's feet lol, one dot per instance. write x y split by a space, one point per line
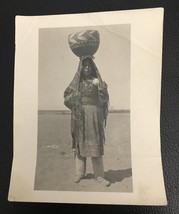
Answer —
100 180
103 181
78 178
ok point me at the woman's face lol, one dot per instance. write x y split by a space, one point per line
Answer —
87 68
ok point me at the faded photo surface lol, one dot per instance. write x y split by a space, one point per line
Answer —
55 167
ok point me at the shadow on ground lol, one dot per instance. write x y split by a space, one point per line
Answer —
89 176
113 175
118 175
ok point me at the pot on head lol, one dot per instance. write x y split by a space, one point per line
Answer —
84 43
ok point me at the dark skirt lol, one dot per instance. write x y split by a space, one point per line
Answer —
92 138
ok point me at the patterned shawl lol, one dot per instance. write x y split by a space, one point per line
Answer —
72 100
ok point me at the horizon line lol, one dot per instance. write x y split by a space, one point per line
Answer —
69 111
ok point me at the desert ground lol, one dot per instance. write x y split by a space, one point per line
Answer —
55 167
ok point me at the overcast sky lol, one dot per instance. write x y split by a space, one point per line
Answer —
57 64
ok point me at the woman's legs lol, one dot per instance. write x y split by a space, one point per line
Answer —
99 170
80 167
98 166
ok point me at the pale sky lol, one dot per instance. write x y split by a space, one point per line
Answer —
58 65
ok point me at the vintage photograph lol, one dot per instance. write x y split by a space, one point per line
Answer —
84 141
87 91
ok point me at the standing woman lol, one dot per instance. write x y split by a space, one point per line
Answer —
87 97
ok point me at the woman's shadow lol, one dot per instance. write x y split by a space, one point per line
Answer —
114 175
118 175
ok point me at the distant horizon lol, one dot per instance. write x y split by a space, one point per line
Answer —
68 110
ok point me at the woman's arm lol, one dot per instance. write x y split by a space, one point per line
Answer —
103 94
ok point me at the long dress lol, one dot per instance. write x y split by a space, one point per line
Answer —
87 119
91 136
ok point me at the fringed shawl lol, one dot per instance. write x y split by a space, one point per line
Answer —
72 100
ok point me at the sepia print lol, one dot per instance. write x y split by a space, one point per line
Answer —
106 51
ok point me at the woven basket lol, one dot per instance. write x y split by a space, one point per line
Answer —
84 43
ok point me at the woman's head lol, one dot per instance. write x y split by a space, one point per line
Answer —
88 70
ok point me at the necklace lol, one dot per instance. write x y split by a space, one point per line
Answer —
88 84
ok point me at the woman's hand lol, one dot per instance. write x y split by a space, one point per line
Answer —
95 81
77 94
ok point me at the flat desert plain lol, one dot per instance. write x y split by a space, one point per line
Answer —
55 166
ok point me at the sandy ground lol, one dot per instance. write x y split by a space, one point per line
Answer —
55 167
